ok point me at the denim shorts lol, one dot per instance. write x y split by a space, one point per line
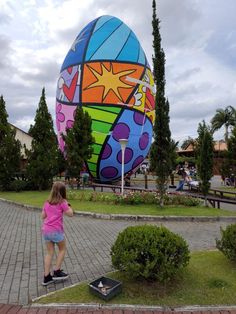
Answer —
54 236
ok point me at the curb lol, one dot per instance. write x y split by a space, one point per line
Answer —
29 207
137 217
156 218
92 306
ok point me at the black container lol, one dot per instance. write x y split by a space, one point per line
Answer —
110 288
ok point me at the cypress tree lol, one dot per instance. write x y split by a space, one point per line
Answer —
231 155
78 143
205 148
42 158
9 149
161 149
61 162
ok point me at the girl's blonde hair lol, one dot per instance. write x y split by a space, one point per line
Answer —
58 193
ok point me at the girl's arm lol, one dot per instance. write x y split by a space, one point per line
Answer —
43 214
69 212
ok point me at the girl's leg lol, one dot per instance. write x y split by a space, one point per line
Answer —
61 254
48 257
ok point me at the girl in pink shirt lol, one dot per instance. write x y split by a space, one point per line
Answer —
53 231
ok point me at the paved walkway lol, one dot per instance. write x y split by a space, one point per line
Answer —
89 241
12 309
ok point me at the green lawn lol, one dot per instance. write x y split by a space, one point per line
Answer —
36 198
210 279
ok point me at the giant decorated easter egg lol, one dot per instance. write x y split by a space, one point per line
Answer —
107 73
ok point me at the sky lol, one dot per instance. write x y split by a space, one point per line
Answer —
198 38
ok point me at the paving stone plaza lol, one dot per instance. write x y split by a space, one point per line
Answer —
88 242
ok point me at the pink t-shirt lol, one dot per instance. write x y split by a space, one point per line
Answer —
54 220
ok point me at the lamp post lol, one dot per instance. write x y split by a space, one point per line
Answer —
123 143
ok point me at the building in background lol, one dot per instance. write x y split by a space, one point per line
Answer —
25 140
219 148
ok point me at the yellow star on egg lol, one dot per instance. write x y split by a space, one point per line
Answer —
109 80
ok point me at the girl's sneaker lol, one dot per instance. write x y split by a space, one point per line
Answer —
59 275
47 280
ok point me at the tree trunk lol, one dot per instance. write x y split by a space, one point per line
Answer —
161 201
226 135
145 179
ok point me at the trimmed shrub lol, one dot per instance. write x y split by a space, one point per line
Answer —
92 196
182 200
227 243
149 252
136 198
17 186
133 198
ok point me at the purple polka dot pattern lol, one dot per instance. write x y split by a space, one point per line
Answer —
61 144
139 142
109 172
137 161
69 124
60 116
128 155
107 152
121 130
143 141
139 118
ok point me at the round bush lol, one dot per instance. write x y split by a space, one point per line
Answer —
227 243
149 252
17 185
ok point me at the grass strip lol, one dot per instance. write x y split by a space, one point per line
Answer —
37 198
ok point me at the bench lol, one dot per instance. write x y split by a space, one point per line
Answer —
193 185
214 201
118 188
106 186
221 193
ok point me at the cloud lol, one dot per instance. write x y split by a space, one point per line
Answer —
222 45
186 74
43 72
198 38
5 52
24 122
179 22
4 18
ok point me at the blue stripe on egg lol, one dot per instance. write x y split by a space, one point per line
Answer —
76 56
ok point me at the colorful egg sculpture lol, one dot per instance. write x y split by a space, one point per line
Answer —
107 73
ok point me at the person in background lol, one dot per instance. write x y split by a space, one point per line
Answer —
182 174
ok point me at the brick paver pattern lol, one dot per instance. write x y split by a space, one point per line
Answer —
88 256
11 309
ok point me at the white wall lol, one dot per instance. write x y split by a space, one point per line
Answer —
24 138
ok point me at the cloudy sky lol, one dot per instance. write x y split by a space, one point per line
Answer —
198 37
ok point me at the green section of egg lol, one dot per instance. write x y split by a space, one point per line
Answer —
102 121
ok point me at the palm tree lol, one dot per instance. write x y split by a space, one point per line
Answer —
224 117
187 142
